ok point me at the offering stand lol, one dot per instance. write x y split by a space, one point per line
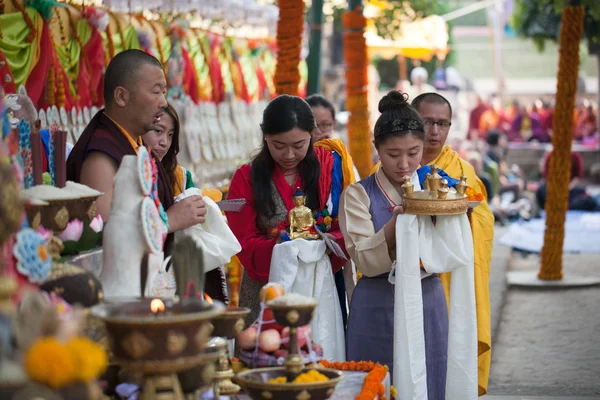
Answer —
159 340
280 382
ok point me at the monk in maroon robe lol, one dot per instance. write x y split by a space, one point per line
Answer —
134 97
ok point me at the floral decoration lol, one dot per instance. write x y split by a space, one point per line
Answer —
96 17
373 387
356 57
472 195
33 258
56 364
97 224
72 232
559 174
289 44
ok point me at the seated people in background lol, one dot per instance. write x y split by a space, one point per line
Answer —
578 197
164 142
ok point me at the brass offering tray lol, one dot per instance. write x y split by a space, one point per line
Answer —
436 198
255 382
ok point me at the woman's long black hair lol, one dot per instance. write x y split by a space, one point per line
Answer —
281 115
169 161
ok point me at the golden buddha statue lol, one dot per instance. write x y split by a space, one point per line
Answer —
301 219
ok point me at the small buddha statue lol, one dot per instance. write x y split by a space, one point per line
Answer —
435 179
461 186
300 218
426 182
442 191
407 186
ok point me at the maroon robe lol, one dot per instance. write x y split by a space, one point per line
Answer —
104 135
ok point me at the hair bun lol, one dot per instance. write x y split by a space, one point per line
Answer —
394 100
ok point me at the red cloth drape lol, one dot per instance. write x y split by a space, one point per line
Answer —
94 51
6 78
36 81
190 78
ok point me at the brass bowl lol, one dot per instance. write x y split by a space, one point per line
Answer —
255 384
166 342
230 323
293 315
201 376
423 203
56 214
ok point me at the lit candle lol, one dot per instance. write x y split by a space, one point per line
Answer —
157 306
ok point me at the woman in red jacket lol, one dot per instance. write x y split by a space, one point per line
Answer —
287 160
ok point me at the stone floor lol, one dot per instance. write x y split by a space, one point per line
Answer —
548 340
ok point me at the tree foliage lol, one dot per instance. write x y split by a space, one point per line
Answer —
389 20
540 20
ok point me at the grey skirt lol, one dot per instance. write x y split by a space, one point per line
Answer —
371 328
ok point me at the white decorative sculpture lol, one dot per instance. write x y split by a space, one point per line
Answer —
135 228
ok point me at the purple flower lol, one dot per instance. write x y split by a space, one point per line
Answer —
72 232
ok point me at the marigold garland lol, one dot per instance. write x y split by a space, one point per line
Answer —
83 55
355 55
119 29
65 45
373 385
49 362
57 365
111 44
51 86
559 173
289 44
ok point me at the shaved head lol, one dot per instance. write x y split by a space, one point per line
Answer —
124 70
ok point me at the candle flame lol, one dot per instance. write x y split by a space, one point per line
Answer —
157 305
207 298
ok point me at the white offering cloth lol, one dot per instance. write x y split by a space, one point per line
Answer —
444 247
303 267
218 243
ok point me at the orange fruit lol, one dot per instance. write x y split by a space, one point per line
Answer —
271 291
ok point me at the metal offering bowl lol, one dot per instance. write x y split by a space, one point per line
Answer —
256 385
163 342
293 315
201 376
230 323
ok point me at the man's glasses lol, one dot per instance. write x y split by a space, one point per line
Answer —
442 124
325 126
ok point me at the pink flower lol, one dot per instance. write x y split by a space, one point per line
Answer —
72 232
97 224
44 232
